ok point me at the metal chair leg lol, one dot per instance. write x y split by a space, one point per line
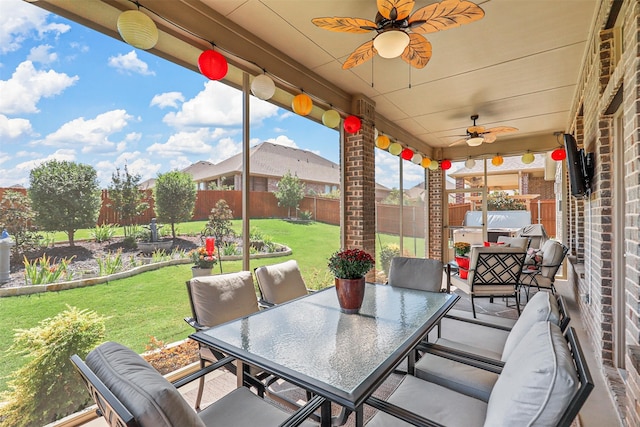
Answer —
200 387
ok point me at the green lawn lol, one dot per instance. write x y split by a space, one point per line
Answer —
153 304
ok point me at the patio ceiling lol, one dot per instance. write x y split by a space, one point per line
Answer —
518 66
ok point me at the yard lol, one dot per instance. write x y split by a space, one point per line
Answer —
153 304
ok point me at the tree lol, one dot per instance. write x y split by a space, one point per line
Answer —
290 191
219 225
17 217
65 196
501 201
126 199
175 196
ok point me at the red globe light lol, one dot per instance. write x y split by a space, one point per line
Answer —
445 164
212 64
559 154
407 154
352 124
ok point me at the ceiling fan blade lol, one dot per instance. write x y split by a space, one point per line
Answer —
345 24
395 9
501 129
362 54
444 15
418 52
458 142
489 137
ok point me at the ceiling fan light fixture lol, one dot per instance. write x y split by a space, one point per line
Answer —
475 141
391 43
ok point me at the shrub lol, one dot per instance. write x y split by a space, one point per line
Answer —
45 270
47 387
110 263
386 254
103 233
16 216
305 215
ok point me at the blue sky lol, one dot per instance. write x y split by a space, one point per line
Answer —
71 93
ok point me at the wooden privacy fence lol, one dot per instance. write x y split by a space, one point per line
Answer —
265 205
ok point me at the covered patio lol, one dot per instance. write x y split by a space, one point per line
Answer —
545 68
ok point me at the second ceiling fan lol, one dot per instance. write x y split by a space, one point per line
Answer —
476 135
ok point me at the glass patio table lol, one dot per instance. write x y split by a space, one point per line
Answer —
341 357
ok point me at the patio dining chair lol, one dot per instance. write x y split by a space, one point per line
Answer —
417 273
130 392
219 299
494 271
280 282
545 382
465 337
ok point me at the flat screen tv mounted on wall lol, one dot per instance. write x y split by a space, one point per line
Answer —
580 167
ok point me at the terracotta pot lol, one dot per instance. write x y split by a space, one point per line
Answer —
350 294
199 272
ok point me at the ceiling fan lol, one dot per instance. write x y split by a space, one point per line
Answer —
476 135
398 31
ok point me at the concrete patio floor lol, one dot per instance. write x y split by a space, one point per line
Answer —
599 410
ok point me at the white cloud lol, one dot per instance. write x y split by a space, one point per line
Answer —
196 142
168 99
93 134
42 55
19 175
130 63
218 105
20 20
13 128
283 140
27 86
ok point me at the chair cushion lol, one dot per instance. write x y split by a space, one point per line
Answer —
482 348
515 242
280 282
152 400
456 376
224 297
416 273
537 382
541 307
432 401
241 408
552 255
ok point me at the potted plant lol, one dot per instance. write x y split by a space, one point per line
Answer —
349 267
462 257
203 261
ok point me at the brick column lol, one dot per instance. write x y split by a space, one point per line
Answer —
358 212
436 210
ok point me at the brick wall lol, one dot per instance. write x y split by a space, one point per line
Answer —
436 208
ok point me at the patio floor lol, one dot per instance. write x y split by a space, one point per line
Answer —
598 411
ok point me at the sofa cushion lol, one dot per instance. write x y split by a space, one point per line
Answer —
150 398
537 382
280 282
541 307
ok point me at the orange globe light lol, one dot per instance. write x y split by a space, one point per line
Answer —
445 164
352 124
426 162
497 160
302 104
383 142
212 64
407 154
559 154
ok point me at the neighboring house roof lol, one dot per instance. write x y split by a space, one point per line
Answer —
268 159
199 170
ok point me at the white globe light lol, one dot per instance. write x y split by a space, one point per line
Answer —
263 87
417 158
391 43
470 163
